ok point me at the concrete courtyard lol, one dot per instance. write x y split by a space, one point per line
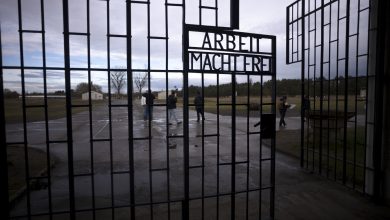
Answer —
159 171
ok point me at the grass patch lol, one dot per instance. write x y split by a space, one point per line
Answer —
333 153
56 109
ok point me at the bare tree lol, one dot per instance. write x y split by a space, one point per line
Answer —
140 81
118 81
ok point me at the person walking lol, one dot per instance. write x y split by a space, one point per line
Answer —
148 107
283 106
171 104
198 102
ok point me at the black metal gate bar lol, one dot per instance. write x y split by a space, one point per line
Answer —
321 86
273 70
150 115
235 14
22 75
166 109
346 84
47 137
130 108
303 60
233 163
4 211
261 146
328 63
110 138
366 111
185 211
91 142
218 145
68 98
337 89
382 22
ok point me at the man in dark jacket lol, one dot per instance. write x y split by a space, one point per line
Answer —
198 101
148 108
283 106
171 104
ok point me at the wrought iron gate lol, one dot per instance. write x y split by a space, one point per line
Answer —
108 159
331 40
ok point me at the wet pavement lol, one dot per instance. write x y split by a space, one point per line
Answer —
159 172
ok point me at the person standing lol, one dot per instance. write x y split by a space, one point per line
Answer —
198 102
148 107
171 104
306 107
144 106
283 106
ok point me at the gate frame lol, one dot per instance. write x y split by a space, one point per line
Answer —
269 134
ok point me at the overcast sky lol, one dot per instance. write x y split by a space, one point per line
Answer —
256 16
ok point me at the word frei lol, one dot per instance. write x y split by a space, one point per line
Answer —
228 52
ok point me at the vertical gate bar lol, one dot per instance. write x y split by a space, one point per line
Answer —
329 88
315 85
108 80
91 144
288 34
3 150
218 150
233 168
111 150
273 154
261 145
150 117
247 147
109 103
356 92
203 163
378 115
203 108
216 15
185 210
47 137
346 92
308 83
200 12
321 85
129 75
303 81
68 98
166 108
235 14
365 103
292 34
337 89
297 22
25 145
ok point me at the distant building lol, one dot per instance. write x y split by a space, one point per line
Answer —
94 96
162 95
